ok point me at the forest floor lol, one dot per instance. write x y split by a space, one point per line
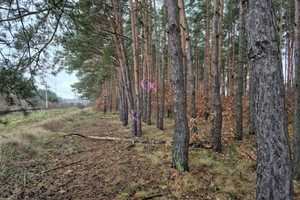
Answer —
81 168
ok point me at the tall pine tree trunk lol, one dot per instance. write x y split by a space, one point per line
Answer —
145 54
189 61
163 69
181 131
232 72
182 32
207 51
274 168
157 67
297 93
239 92
228 71
217 125
135 33
150 62
220 67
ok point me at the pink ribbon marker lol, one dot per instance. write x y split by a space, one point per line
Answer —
149 85
133 118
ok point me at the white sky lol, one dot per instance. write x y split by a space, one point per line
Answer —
61 84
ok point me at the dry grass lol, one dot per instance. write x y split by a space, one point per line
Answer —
26 137
53 125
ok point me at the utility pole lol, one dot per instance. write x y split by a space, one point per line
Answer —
46 96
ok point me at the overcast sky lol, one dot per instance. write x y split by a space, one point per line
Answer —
61 84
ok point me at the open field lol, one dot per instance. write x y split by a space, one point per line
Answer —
81 168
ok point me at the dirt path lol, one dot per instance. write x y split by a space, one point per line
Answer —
99 170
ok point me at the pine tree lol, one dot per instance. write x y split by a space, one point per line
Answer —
297 93
239 92
181 131
274 168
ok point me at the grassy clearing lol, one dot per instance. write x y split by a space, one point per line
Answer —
24 145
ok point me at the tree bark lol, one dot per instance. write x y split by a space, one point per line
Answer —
181 131
157 66
120 104
217 125
145 55
163 69
212 106
168 64
297 93
239 92
245 74
207 51
280 36
123 104
228 71
150 62
252 91
196 65
105 98
183 42
220 67
111 96
117 94
188 51
135 33
274 168
232 72
223 84
289 40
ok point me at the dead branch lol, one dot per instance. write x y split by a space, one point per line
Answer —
71 134
3 136
110 139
